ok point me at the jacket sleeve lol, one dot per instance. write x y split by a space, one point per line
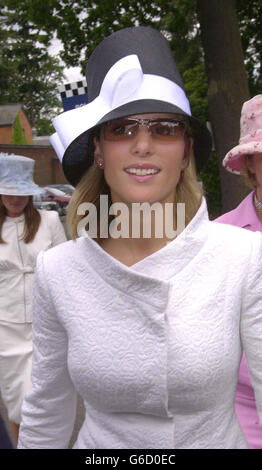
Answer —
49 409
57 230
251 321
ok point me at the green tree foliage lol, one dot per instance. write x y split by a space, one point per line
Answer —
35 80
5 71
18 136
211 184
250 24
81 25
44 127
28 74
195 82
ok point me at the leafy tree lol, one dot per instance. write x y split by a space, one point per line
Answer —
81 25
35 81
28 74
44 127
250 25
211 184
18 136
195 82
4 67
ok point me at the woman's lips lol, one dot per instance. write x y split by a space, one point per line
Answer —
142 172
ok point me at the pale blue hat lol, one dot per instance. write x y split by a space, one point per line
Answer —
16 176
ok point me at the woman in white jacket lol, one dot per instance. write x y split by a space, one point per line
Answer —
148 329
24 232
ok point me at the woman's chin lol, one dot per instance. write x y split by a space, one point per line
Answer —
138 198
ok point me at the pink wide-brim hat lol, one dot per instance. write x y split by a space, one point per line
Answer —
250 142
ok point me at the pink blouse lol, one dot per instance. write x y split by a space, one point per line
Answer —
246 217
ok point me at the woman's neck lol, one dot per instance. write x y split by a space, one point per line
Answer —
138 235
13 215
130 251
259 197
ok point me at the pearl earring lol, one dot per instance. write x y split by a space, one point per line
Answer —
100 164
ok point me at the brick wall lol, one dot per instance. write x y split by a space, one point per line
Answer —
48 169
6 134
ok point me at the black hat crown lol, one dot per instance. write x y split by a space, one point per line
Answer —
150 46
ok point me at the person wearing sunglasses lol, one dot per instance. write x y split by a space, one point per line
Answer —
148 326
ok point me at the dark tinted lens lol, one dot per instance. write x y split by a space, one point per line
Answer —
119 129
167 129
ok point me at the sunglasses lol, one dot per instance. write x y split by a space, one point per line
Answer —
163 129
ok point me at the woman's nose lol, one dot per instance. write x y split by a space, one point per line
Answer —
142 143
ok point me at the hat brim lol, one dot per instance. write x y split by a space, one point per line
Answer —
233 159
16 192
79 156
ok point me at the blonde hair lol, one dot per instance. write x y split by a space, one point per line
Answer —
93 185
32 221
250 178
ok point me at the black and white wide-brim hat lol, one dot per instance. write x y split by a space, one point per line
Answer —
130 72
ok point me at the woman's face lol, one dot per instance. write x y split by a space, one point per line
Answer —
254 164
15 205
143 168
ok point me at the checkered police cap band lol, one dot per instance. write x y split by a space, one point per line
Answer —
73 89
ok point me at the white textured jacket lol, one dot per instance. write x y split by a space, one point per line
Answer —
17 264
153 349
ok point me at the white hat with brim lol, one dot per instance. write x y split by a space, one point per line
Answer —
250 142
16 176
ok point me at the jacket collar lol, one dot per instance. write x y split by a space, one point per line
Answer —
10 220
245 215
172 258
148 279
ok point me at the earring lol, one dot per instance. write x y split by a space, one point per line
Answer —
100 164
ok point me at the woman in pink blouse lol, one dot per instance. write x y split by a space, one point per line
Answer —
246 159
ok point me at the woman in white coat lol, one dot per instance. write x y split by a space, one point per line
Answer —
24 232
147 328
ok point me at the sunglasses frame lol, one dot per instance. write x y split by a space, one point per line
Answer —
144 122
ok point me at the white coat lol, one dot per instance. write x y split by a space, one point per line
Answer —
17 264
153 349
